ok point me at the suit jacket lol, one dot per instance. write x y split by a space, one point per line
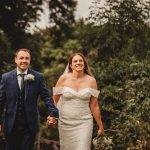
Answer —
9 97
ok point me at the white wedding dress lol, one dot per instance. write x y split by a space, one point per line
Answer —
75 118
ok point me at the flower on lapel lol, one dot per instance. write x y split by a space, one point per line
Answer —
30 77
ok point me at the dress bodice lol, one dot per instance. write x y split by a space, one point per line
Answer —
74 103
75 117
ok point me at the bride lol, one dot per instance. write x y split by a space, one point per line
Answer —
76 97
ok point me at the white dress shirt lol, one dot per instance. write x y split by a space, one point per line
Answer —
19 77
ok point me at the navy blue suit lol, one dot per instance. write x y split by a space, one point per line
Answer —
33 89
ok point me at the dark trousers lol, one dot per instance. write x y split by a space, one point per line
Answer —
21 138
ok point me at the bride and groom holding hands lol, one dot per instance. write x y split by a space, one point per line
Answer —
75 96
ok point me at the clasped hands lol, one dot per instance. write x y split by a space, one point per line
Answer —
51 120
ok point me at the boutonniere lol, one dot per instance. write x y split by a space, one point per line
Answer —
30 77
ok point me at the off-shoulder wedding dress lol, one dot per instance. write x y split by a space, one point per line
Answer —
75 118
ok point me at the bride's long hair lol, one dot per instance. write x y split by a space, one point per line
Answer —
86 68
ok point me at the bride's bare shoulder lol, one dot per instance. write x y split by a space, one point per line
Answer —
62 79
91 78
92 81
64 76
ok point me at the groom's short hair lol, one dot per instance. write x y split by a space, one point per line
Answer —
22 49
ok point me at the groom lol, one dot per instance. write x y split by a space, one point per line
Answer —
19 91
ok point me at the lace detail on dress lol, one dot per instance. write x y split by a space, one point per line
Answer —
57 90
75 117
94 92
61 90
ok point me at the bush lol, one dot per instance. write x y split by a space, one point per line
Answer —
125 101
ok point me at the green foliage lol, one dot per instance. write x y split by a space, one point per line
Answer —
62 17
16 16
57 59
49 132
5 53
35 43
122 28
125 101
86 34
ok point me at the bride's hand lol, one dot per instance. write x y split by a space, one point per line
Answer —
51 120
100 132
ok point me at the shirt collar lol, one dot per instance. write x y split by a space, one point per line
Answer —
18 72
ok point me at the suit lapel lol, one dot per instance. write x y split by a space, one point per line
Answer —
15 83
26 89
27 85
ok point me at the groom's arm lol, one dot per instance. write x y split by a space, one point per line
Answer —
2 97
44 93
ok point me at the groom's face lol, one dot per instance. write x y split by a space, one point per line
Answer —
22 60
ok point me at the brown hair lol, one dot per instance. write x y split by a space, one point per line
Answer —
22 49
86 68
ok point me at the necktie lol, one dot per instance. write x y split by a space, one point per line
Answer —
22 81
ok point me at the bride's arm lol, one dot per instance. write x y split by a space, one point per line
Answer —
94 106
56 99
97 115
59 84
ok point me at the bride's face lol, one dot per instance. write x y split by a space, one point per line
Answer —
77 63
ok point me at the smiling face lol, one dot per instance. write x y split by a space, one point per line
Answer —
22 60
77 63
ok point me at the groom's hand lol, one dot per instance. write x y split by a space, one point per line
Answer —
51 120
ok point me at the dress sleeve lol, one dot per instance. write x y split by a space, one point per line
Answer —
57 90
94 92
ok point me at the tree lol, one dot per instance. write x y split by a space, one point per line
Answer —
5 53
16 16
61 17
123 27
125 101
